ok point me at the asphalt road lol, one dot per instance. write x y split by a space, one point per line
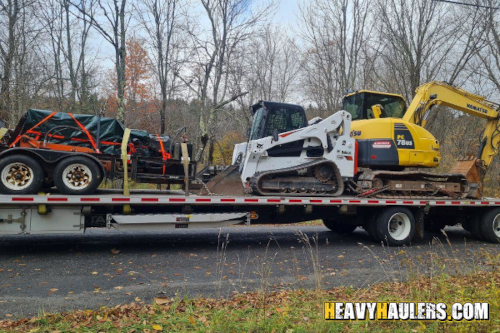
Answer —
105 267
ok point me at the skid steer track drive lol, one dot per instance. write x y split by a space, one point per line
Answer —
318 178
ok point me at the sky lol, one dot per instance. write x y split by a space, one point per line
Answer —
286 15
287 11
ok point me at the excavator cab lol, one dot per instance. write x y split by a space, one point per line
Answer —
366 104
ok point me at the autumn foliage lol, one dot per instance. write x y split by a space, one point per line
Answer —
140 99
223 151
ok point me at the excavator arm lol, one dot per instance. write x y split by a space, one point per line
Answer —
440 93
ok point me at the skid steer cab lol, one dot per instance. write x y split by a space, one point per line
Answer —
287 155
269 120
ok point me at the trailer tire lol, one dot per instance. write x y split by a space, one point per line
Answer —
370 227
77 175
475 226
395 226
490 225
20 174
339 227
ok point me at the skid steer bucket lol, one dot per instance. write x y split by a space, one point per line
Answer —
474 170
228 182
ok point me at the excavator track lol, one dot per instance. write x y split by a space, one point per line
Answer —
299 181
414 184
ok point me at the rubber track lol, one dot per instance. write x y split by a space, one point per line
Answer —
416 176
254 181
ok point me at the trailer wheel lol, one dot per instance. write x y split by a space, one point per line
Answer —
339 227
490 225
395 226
20 174
77 175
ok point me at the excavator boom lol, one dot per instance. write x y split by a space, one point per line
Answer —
435 93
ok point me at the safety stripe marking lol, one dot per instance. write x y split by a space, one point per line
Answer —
240 200
177 200
22 199
149 199
57 199
121 199
90 199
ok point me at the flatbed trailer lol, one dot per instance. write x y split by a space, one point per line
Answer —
397 221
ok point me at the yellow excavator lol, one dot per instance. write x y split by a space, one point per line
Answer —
392 137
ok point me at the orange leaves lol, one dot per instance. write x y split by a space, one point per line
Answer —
139 91
137 72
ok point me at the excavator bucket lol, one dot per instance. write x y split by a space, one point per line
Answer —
228 182
474 171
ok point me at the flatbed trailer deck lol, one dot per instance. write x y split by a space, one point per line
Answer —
158 210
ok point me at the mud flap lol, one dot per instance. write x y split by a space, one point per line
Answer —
228 182
419 224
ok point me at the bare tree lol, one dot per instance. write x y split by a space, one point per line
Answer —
423 41
231 22
273 65
165 22
491 58
110 18
335 33
9 11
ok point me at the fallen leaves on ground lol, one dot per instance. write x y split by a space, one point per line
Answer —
300 310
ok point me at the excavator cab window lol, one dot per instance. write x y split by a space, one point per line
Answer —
359 105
